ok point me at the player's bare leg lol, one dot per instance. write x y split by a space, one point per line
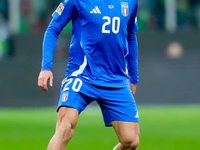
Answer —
128 135
66 123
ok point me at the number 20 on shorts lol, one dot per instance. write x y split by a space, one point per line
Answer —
77 83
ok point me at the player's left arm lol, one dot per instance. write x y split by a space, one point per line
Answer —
132 58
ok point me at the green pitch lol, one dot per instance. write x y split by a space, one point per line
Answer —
162 128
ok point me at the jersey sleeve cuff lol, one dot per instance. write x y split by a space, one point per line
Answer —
46 68
134 81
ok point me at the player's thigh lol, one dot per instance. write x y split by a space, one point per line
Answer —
126 131
67 116
118 105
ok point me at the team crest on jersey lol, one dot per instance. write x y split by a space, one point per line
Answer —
60 9
124 6
65 97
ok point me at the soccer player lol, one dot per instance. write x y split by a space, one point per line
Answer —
107 35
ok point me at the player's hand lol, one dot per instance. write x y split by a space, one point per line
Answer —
133 88
43 77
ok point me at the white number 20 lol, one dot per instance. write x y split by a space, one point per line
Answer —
115 24
76 85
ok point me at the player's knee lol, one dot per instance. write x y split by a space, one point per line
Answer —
130 143
65 132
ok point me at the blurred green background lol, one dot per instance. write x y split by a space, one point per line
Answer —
167 95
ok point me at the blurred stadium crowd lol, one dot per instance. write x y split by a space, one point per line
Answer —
151 14
34 16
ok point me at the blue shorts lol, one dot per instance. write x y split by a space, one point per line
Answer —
117 104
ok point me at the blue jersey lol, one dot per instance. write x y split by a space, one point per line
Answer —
107 38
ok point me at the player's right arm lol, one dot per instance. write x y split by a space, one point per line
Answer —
44 77
62 15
